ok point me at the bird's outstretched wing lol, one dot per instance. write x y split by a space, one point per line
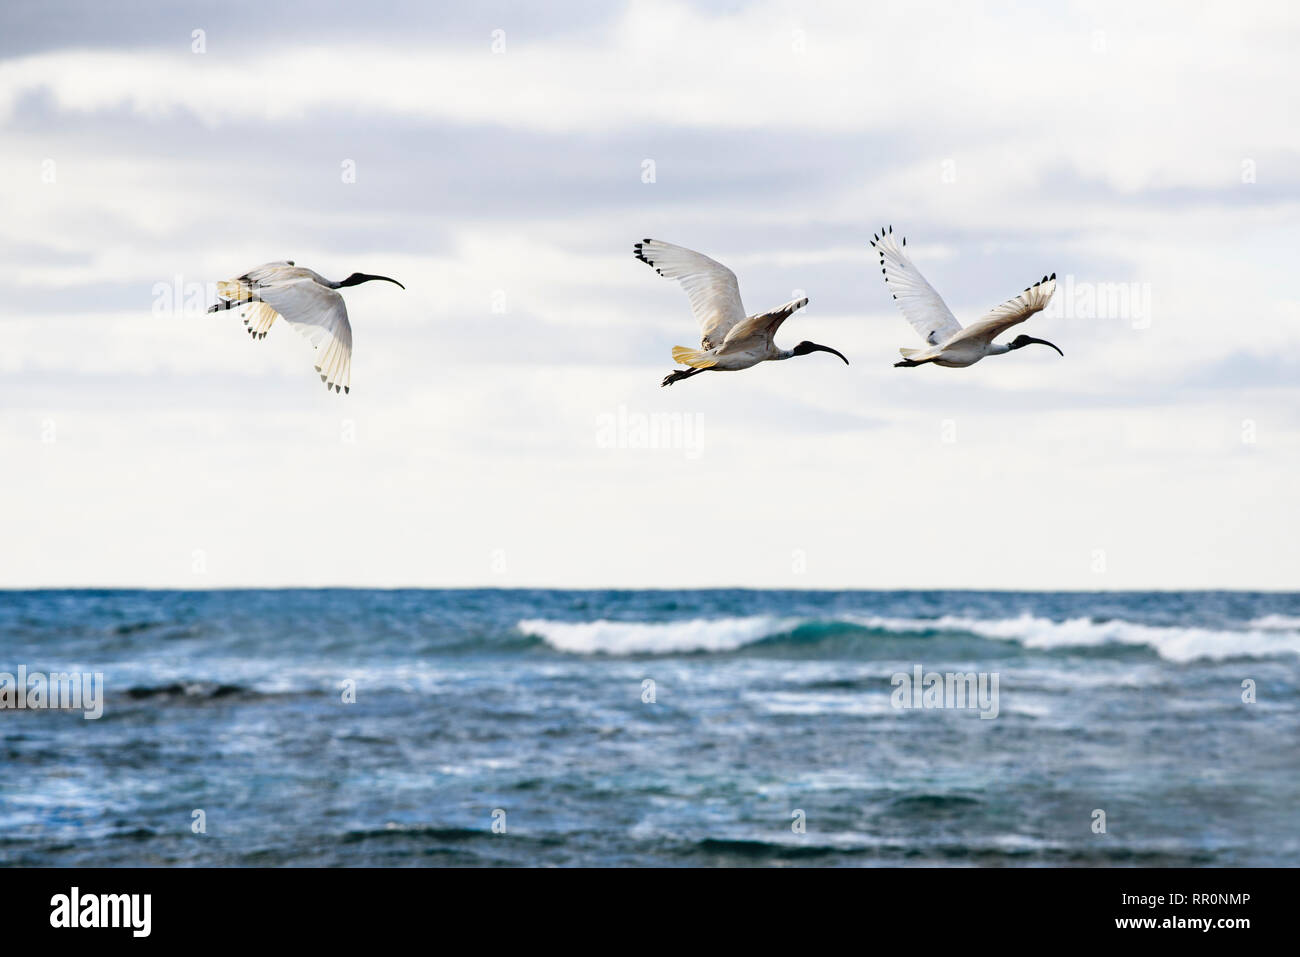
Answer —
267 271
711 286
244 289
921 305
760 328
319 314
1001 318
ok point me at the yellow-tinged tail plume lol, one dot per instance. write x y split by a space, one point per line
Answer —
693 358
233 290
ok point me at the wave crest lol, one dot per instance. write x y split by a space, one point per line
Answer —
1173 643
606 637
1257 639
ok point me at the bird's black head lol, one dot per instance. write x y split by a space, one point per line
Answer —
805 347
357 278
1019 342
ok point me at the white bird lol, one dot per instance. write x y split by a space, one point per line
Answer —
308 302
947 343
729 340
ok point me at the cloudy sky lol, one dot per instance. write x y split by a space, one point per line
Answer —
501 159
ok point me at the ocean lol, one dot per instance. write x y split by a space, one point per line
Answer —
665 728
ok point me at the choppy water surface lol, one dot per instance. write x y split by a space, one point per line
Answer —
532 703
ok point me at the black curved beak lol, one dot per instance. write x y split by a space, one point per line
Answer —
365 277
834 352
1044 342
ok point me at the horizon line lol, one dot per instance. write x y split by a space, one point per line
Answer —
647 588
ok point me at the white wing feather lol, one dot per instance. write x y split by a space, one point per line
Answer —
710 286
319 314
760 329
921 305
258 317
1012 312
267 272
244 288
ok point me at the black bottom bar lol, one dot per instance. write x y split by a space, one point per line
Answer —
656 907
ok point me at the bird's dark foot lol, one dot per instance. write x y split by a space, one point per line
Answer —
906 364
673 377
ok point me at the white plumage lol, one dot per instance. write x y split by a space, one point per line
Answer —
948 343
710 286
319 314
308 302
729 340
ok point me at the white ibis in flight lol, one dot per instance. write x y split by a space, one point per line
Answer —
729 340
947 343
308 302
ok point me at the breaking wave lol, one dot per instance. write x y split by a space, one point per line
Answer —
1266 637
661 638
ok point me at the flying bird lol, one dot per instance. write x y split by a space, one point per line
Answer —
947 343
308 302
729 340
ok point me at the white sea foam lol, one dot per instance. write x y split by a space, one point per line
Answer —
639 638
1173 643
1264 637
1277 622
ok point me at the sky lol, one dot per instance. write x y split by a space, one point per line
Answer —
506 425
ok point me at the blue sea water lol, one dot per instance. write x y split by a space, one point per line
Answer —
531 710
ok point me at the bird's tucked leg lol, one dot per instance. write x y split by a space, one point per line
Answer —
679 374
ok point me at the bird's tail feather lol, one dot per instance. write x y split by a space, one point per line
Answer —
233 289
693 358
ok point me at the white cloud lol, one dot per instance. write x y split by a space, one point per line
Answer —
475 430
